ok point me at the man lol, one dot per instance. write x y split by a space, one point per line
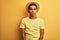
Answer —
32 26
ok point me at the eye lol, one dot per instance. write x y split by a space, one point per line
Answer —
30 8
34 8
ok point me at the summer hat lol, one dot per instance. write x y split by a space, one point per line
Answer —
32 3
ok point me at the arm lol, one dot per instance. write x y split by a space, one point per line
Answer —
22 27
23 34
41 34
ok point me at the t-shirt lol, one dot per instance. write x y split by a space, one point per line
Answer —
33 27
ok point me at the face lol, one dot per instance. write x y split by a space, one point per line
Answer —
33 10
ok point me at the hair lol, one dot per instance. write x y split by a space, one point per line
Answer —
31 4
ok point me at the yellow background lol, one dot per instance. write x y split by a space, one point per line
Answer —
12 11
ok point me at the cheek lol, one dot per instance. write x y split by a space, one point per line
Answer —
34 11
30 11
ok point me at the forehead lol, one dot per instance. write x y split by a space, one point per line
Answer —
32 6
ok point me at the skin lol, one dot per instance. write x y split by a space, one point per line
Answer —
23 33
32 12
41 34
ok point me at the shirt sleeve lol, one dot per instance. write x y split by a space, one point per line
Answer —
22 25
42 24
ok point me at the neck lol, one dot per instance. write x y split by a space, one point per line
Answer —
32 17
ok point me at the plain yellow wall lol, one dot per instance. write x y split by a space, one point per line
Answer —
12 11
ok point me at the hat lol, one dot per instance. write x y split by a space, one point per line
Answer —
32 3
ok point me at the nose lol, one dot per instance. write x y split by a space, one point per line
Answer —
32 10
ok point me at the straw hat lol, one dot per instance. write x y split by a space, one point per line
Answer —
32 3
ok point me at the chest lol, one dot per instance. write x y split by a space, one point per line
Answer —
32 24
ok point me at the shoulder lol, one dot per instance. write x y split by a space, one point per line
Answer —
24 18
41 19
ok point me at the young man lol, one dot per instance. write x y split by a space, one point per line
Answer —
32 26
